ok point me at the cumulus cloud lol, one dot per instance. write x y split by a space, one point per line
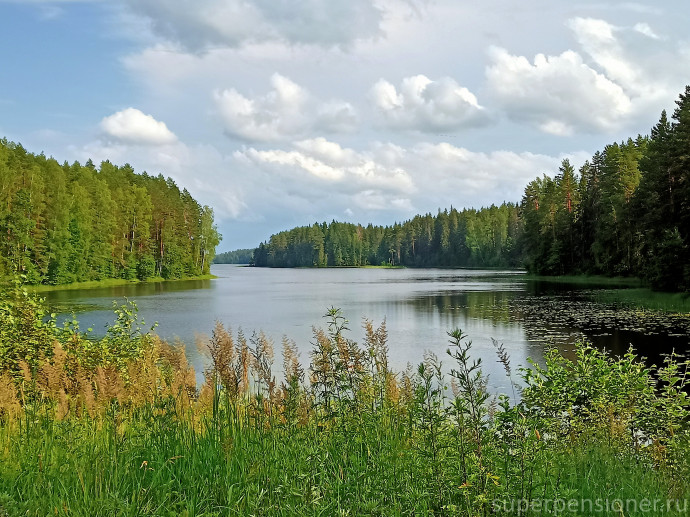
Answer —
134 127
637 58
558 93
621 74
389 178
197 25
428 106
286 112
598 39
264 118
329 162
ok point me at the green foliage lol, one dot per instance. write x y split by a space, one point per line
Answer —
27 331
452 238
146 267
29 336
623 215
73 223
118 427
241 256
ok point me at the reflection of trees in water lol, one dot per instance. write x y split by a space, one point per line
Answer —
493 306
560 318
131 291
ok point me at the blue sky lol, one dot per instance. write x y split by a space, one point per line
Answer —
280 114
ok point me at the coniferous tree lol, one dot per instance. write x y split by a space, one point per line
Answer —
73 222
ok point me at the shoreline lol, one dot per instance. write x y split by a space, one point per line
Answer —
110 282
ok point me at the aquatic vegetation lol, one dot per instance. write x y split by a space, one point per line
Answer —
118 426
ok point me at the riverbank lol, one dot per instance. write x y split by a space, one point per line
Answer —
110 282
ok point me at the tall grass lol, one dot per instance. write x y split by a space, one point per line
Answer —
118 427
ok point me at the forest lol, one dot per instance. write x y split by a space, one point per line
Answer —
452 238
625 212
73 223
240 256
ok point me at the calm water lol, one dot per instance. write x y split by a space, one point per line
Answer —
419 305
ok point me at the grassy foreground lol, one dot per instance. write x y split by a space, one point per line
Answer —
118 427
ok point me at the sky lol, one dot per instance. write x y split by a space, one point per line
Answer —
282 113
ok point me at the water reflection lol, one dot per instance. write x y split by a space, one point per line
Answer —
73 298
493 306
420 306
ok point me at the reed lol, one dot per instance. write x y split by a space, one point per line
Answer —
85 433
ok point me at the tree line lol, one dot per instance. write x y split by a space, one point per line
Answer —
62 223
452 238
240 256
625 212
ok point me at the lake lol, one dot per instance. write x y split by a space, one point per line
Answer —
419 305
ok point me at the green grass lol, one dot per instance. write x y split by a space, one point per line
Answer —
109 282
151 464
645 298
118 427
585 280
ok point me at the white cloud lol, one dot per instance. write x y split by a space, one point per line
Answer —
645 29
388 178
456 176
286 112
597 38
200 24
427 106
331 163
134 127
623 75
560 94
337 117
270 117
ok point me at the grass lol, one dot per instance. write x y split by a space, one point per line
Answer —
119 427
585 280
154 467
646 299
109 282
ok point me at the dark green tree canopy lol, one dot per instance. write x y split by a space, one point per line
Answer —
69 223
